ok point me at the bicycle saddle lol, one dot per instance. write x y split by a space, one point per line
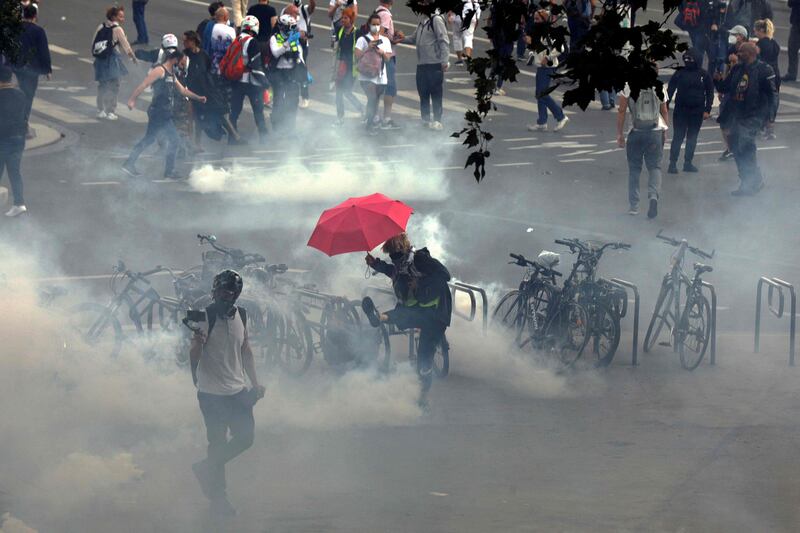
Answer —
700 268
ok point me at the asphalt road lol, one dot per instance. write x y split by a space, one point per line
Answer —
646 449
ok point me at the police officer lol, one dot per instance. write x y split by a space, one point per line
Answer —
693 90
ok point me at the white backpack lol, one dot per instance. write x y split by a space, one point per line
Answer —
646 110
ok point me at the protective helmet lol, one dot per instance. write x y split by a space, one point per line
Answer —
169 41
297 2
548 259
228 280
287 21
250 23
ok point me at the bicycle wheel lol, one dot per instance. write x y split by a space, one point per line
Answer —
659 319
296 348
267 343
441 359
694 332
567 334
604 333
96 328
507 315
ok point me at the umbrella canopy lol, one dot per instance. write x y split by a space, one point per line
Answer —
359 224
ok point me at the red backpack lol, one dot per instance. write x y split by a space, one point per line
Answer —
232 65
691 14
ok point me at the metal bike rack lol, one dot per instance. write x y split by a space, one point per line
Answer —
779 284
472 289
710 287
625 285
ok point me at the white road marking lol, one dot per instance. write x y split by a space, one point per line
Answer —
398 146
85 60
100 183
445 168
760 148
520 139
62 51
600 152
567 144
447 104
579 152
135 116
580 136
513 164
574 160
60 113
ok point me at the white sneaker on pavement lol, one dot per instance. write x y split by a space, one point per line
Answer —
304 103
111 116
499 92
436 125
561 123
537 127
102 114
16 211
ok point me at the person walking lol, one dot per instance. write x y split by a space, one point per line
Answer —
372 53
794 41
769 51
693 90
750 91
224 372
253 81
384 11
160 113
267 19
138 20
546 60
695 17
650 121
335 9
464 25
33 60
433 52
12 137
579 20
420 284
346 65
208 23
108 66
287 73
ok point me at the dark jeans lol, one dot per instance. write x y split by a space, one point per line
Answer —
608 98
304 83
344 89
221 414
11 160
794 48
158 127
374 93
687 122
28 83
255 94
578 28
285 97
138 20
701 42
742 140
546 102
646 145
430 87
431 332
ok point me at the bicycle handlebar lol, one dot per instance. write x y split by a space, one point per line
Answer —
239 255
522 261
578 245
675 242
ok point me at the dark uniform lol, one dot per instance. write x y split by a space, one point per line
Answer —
695 96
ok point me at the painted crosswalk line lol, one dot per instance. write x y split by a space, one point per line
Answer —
60 113
135 115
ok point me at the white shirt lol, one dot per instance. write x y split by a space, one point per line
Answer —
626 92
363 44
220 370
338 13
222 36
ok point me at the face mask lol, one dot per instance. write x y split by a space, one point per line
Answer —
374 29
397 257
732 39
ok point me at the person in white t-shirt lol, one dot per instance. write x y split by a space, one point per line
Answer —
223 367
373 50
463 37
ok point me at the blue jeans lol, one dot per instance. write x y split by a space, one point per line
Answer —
138 20
546 102
607 99
11 160
430 87
156 127
646 145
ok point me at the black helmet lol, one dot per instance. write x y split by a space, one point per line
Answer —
229 280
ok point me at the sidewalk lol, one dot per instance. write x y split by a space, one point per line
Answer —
45 136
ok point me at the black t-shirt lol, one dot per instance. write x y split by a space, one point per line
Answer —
346 46
12 109
264 14
197 75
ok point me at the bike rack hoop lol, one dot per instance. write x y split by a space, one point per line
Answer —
455 288
484 302
776 283
625 285
713 292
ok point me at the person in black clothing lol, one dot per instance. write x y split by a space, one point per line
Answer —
12 137
750 91
794 40
267 18
423 300
693 102
746 13
769 51
696 17
34 59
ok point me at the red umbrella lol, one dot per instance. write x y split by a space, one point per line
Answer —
359 224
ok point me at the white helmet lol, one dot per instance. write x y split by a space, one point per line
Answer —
288 21
169 41
250 23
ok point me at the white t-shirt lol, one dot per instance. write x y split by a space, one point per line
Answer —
626 92
385 45
222 36
220 370
338 13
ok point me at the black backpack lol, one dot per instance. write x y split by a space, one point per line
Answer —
103 44
211 316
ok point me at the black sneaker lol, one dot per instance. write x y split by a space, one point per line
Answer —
368 306
726 155
673 168
131 170
689 167
652 212
174 176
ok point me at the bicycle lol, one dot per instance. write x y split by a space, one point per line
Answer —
98 324
693 322
527 305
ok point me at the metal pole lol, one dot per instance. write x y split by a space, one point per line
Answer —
758 314
793 310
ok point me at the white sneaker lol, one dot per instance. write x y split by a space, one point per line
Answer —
102 114
111 116
561 123
499 92
537 127
16 211
304 103
436 125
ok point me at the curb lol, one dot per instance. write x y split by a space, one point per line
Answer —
45 136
